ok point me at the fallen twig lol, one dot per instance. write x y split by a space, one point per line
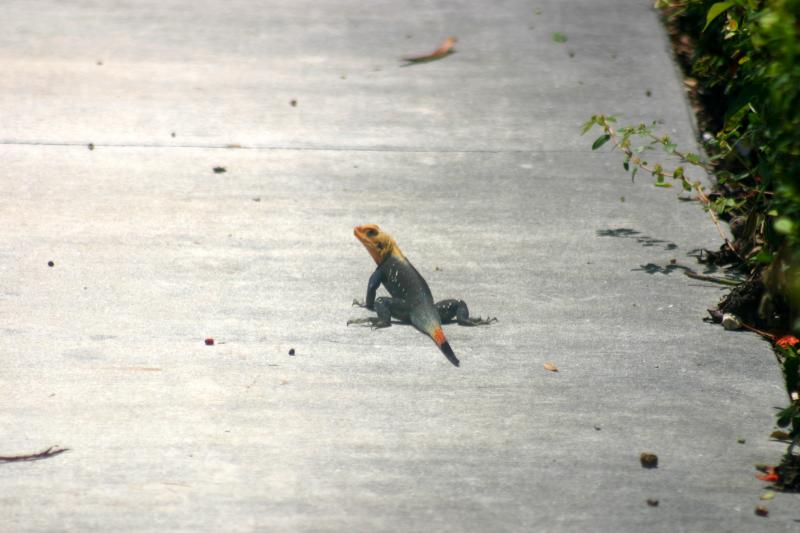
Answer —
52 451
712 279
766 335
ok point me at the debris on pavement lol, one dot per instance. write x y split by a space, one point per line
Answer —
762 511
731 322
209 341
648 460
769 474
219 170
443 51
52 451
652 502
551 367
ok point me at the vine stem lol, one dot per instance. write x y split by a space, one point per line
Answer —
694 186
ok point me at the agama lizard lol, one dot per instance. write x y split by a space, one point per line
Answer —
411 299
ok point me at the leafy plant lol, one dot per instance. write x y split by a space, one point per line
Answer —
635 160
743 59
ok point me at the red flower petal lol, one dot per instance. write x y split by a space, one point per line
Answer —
787 341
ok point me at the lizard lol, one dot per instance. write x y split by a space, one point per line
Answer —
411 299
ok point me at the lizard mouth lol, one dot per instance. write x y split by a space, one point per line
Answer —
358 231
362 233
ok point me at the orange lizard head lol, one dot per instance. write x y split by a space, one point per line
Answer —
378 243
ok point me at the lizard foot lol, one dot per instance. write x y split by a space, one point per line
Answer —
372 321
471 321
356 303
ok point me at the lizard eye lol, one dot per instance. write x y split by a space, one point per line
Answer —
371 232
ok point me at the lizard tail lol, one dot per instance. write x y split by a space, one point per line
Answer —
444 346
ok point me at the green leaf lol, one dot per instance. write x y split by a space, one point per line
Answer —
692 158
658 172
715 11
785 416
783 226
764 257
670 148
626 164
559 37
633 173
791 373
664 184
589 124
600 141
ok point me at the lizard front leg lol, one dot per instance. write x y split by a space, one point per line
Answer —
372 287
457 309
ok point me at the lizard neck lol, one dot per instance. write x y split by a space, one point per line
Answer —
380 256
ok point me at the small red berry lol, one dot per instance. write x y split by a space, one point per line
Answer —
209 342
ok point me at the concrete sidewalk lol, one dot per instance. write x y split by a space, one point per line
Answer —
474 163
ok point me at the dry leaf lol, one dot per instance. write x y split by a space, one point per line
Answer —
442 51
779 435
551 367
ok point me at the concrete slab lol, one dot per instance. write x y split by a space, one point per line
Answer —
475 166
220 73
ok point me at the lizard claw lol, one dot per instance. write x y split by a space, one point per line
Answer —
478 321
356 303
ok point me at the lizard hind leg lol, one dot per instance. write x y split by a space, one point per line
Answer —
383 306
457 309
